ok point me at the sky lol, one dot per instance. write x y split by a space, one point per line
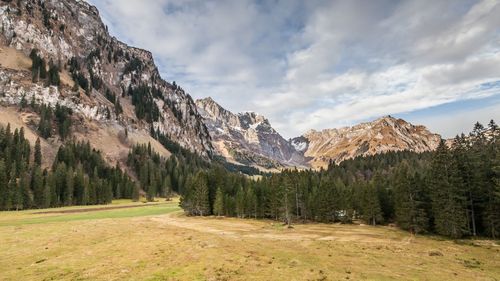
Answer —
325 64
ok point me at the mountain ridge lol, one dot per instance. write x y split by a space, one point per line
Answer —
126 94
247 137
380 135
112 88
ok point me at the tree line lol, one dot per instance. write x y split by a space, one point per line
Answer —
78 176
453 191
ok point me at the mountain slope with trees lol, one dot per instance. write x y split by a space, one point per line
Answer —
450 191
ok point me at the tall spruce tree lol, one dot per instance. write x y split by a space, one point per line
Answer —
38 153
410 207
3 185
448 200
219 202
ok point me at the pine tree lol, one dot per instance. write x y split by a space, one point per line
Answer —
27 197
38 188
251 203
240 202
38 153
410 209
3 185
372 212
492 210
219 202
202 205
85 191
68 188
17 198
448 200
79 186
195 199
47 183
10 192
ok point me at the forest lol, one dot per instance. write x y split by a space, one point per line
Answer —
78 176
453 191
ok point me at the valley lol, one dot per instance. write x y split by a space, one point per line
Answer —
109 171
155 241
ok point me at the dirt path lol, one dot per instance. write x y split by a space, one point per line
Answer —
269 230
84 210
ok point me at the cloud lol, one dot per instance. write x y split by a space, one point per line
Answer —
319 64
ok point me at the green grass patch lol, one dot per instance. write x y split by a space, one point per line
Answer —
146 210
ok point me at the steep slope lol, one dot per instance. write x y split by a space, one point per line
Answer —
382 135
246 138
110 87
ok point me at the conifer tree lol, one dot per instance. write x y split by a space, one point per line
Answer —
219 202
492 210
448 201
136 193
68 188
410 209
372 212
240 202
10 193
3 185
27 197
17 195
38 188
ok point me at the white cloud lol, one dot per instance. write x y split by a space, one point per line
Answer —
319 64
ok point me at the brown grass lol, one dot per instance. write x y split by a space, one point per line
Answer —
175 247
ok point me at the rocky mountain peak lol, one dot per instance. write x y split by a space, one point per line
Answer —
381 135
247 137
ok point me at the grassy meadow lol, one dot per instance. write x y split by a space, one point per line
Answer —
155 241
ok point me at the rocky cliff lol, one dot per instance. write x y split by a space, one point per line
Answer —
106 83
247 138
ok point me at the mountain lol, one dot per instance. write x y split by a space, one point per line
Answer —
246 138
381 135
249 139
113 90
60 54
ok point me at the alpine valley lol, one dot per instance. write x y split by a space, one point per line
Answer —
110 172
113 89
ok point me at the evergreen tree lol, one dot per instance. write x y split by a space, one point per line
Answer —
27 196
136 193
38 153
3 185
371 211
410 207
38 188
448 200
492 210
68 188
219 202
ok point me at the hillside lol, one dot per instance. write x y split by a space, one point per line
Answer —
111 89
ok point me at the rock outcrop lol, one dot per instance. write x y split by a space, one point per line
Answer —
247 138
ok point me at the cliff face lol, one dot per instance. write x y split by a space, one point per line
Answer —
247 138
71 35
379 136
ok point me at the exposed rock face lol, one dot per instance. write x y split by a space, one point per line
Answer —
70 29
247 138
382 135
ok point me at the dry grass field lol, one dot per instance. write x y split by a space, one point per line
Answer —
155 241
